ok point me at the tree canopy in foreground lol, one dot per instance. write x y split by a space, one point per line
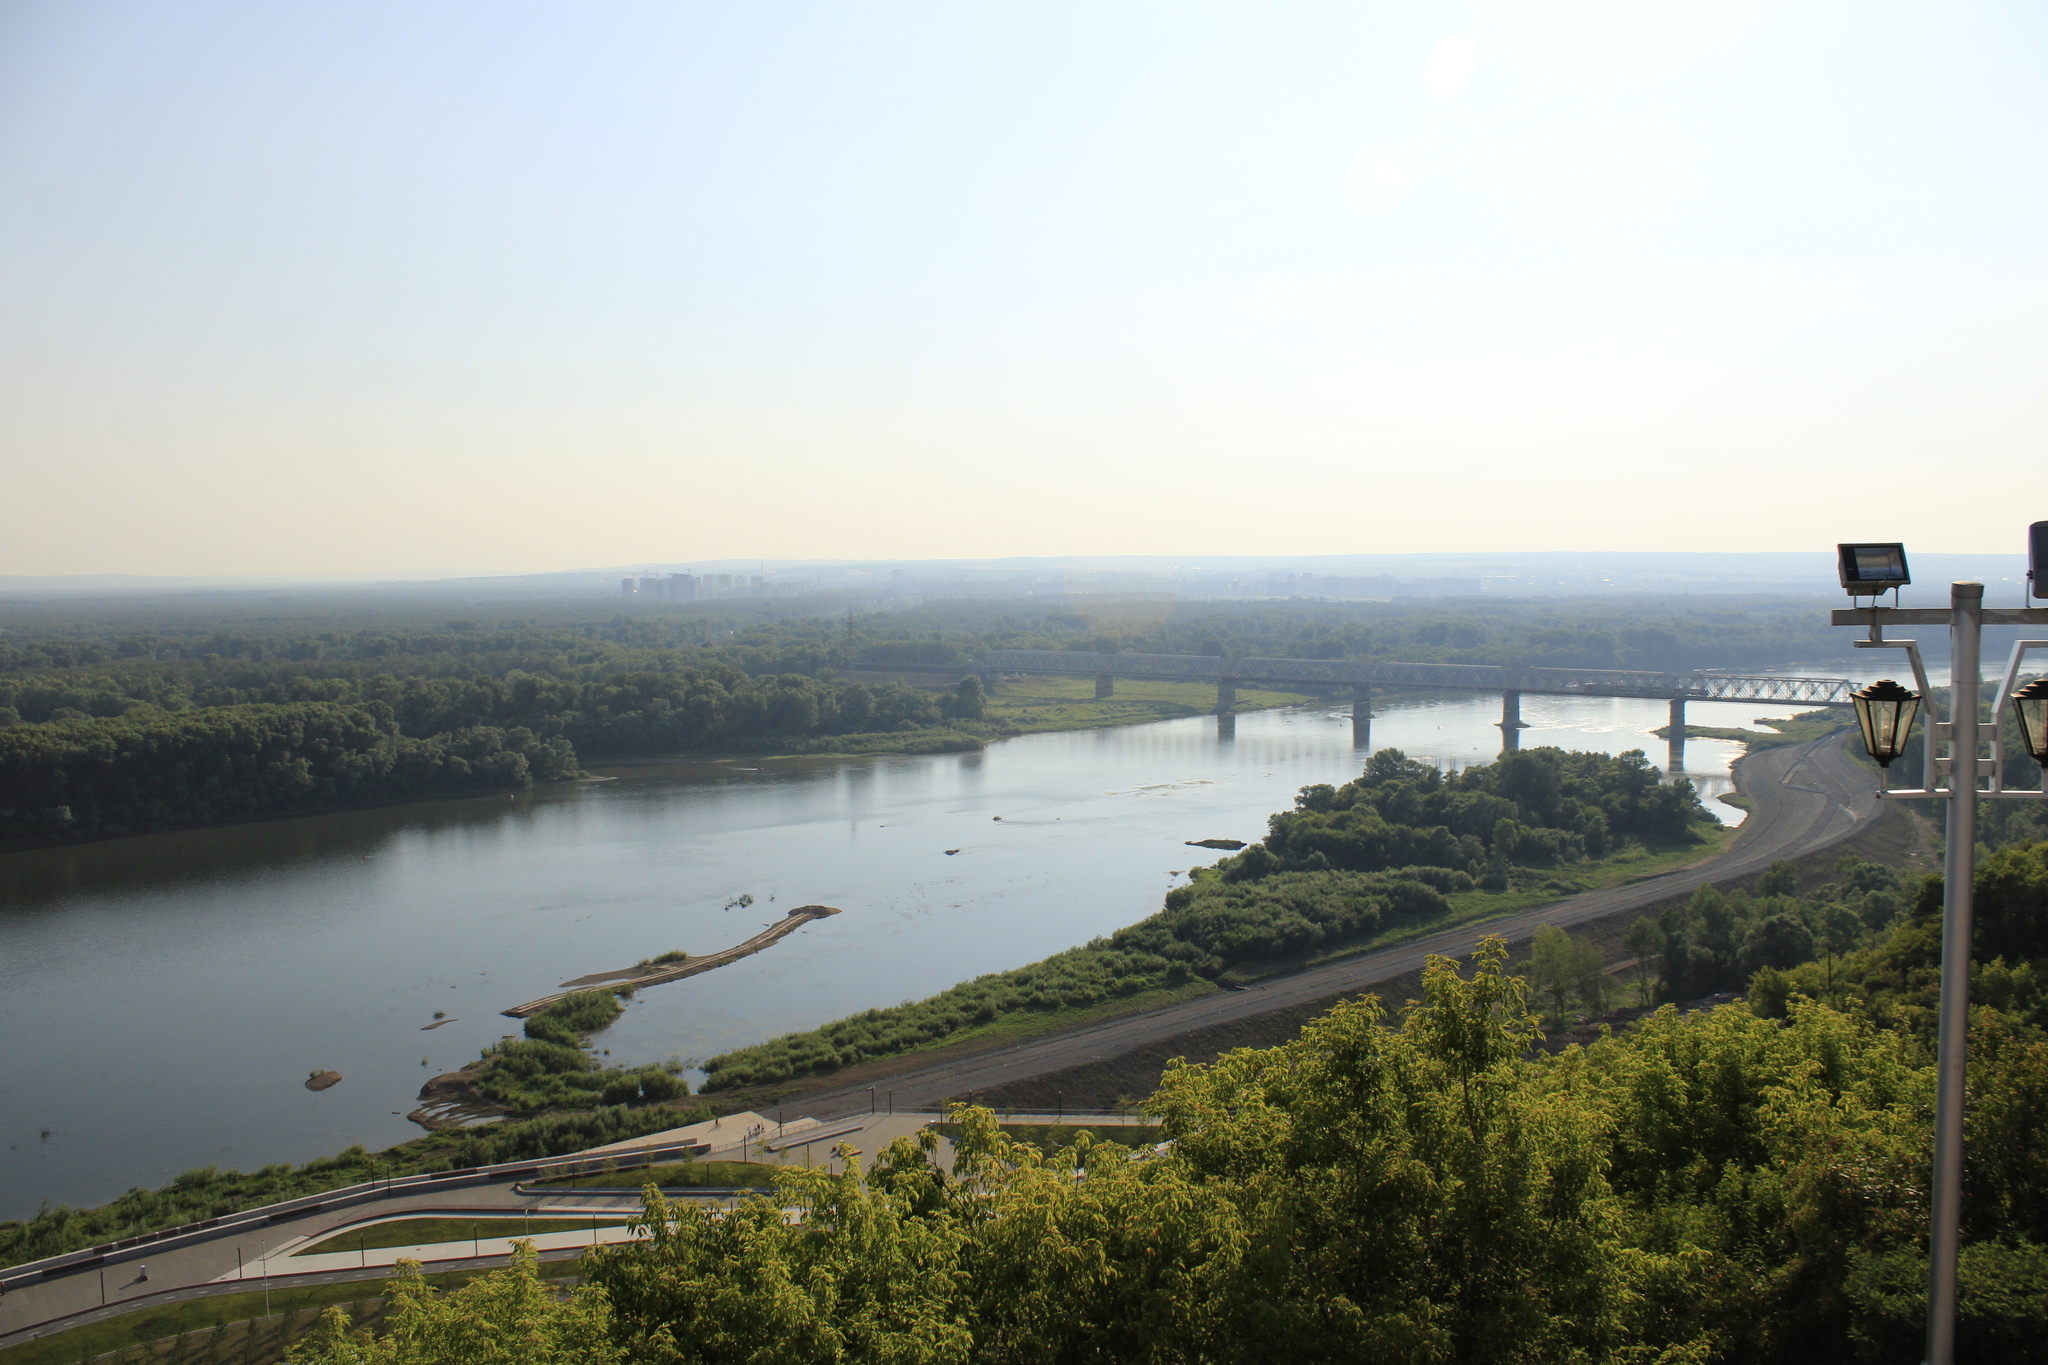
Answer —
1716 1186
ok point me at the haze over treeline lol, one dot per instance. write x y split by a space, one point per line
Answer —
123 717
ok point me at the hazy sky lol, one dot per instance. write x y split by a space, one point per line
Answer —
428 286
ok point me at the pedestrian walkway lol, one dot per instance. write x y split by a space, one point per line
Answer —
283 1262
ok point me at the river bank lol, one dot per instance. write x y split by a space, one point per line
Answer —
1033 706
114 955
1463 909
1799 729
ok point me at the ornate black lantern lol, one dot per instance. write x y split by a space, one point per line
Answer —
2030 706
1886 710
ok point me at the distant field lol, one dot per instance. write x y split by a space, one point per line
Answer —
1807 725
1069 703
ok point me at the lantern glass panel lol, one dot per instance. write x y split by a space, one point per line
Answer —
2030 708
1885 711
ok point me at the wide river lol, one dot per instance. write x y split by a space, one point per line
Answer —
163 998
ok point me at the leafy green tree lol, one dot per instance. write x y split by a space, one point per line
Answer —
970 701
1565 966
1644 940
510 1317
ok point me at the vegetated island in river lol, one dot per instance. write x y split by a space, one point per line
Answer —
548 1067
676 966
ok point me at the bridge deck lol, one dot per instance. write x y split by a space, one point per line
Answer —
1593 682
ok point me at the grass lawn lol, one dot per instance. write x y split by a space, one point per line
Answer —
169 1320
692 1175
405 1232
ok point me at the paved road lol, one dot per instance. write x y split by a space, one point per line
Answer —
1803 798
190 1272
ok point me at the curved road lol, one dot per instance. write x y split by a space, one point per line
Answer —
1803 799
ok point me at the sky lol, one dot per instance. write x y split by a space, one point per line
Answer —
511 287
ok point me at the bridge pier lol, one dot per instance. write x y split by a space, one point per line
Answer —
1226 697
1675 760
1361 717
1105 685
1226 727
1511 725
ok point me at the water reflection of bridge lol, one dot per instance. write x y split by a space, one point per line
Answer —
1230 674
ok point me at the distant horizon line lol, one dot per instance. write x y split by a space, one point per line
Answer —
1475 559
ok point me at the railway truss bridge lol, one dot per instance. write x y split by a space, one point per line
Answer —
1511 683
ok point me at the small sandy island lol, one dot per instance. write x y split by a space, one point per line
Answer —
323 1080
655 973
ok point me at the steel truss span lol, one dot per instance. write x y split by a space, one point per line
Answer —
1584 682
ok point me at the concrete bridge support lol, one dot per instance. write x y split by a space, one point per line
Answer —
1226 698
1511 725
1105 685
1675 760
1361 717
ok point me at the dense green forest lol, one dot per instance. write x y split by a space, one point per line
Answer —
123 719
1715 1187
1377 853
148 770
241 645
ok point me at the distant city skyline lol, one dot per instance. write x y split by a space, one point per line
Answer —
897 582
324 288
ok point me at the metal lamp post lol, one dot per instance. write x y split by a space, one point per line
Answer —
1885 711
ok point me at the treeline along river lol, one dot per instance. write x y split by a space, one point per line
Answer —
162 998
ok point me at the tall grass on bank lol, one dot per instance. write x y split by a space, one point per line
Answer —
548 1068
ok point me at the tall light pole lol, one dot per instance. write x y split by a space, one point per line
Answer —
1885 712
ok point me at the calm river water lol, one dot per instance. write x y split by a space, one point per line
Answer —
162 999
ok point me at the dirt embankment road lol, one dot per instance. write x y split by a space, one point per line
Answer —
1804 798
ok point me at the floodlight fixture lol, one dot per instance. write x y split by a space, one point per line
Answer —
1873 568
1886 710
2030 708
